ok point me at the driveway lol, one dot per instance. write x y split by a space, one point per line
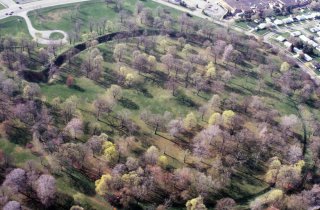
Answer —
43 37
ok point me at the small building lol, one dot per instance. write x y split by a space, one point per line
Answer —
304 38
287 44
315 29
278 22
313 43
310 16
317 15
307 57
301 17
203 5
190 5
288 20
209 12
317 39
176 2
262 26
295 33
297 50
257 21
280 39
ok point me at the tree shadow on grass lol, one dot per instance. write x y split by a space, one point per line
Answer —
77 88
19 134
145 92
107 55
185 100
160 77
247 65
81 182
229 88
129 104
62 201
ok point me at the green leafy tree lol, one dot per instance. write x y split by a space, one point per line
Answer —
196 204
227 116
102 184
285 67
190 121
110 152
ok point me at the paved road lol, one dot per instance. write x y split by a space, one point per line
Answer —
7 3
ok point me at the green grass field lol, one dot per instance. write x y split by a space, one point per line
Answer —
52 18
63 17
21 155
14 26
242 24
56 36
2 7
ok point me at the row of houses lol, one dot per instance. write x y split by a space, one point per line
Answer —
315 29
298 51
289 20
237 6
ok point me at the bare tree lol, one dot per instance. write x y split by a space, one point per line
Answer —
176 127
46 189
119 51
172 84
102 105
75 128
157 121
12 205
16 180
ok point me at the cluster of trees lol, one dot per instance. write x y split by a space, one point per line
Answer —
219 138
92 64
226 138
147 179
277 199
298 43
31 184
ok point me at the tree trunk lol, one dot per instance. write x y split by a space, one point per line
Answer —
156 129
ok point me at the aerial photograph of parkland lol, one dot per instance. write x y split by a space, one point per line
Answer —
160 104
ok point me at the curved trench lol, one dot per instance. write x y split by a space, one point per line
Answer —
43 75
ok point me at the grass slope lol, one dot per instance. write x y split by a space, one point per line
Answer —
14 26
51 18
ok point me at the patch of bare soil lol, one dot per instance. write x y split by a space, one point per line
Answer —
55 16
